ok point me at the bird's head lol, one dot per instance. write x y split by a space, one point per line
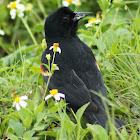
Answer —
63 22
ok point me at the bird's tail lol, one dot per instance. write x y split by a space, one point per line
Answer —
102 119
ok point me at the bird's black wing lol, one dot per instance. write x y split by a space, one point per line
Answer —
67 82
89 71
93 81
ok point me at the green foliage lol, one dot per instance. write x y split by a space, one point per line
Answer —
116 45
98 132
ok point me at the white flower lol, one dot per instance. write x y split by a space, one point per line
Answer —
68 2
2 32
54 93
13 13
92 21
97 21
13 4
16 8
55 47
20 101
21 9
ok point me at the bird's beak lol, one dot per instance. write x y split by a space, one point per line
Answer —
79 15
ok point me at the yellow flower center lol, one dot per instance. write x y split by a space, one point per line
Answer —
53 91
17 99
91 20
70 1
13 5
56 44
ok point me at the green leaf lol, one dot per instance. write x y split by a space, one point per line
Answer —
122 3
108 65
80 111
34 138
86 32
103 5
26 117
28 134
138 44
54 109
40 127
40 117
98 132
39 27
3 124
109 38
114 49
87 37
35 69
69 125
49 133
39 108
101 46
122 31
83 133
10 58
17 127
31 105
124 134
12 136
4 69
4 100
36 100
48 68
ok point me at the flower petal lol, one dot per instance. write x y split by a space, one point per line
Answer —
23 103
61 95
76 2
51 48
8 6
2 32
89 24
97 21
18 1
21 7
21 14
57 97
65 3
48 96
14 104
58 50
18 106
13 13
24 97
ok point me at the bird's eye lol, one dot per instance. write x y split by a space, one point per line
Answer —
66 19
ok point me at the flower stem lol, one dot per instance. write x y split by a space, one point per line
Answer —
78 131
29 31
59 3
49 76
115 17
46 87
53 57
98 29
42 8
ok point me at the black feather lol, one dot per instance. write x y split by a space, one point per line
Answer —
78 72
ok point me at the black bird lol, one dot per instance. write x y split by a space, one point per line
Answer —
78 71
